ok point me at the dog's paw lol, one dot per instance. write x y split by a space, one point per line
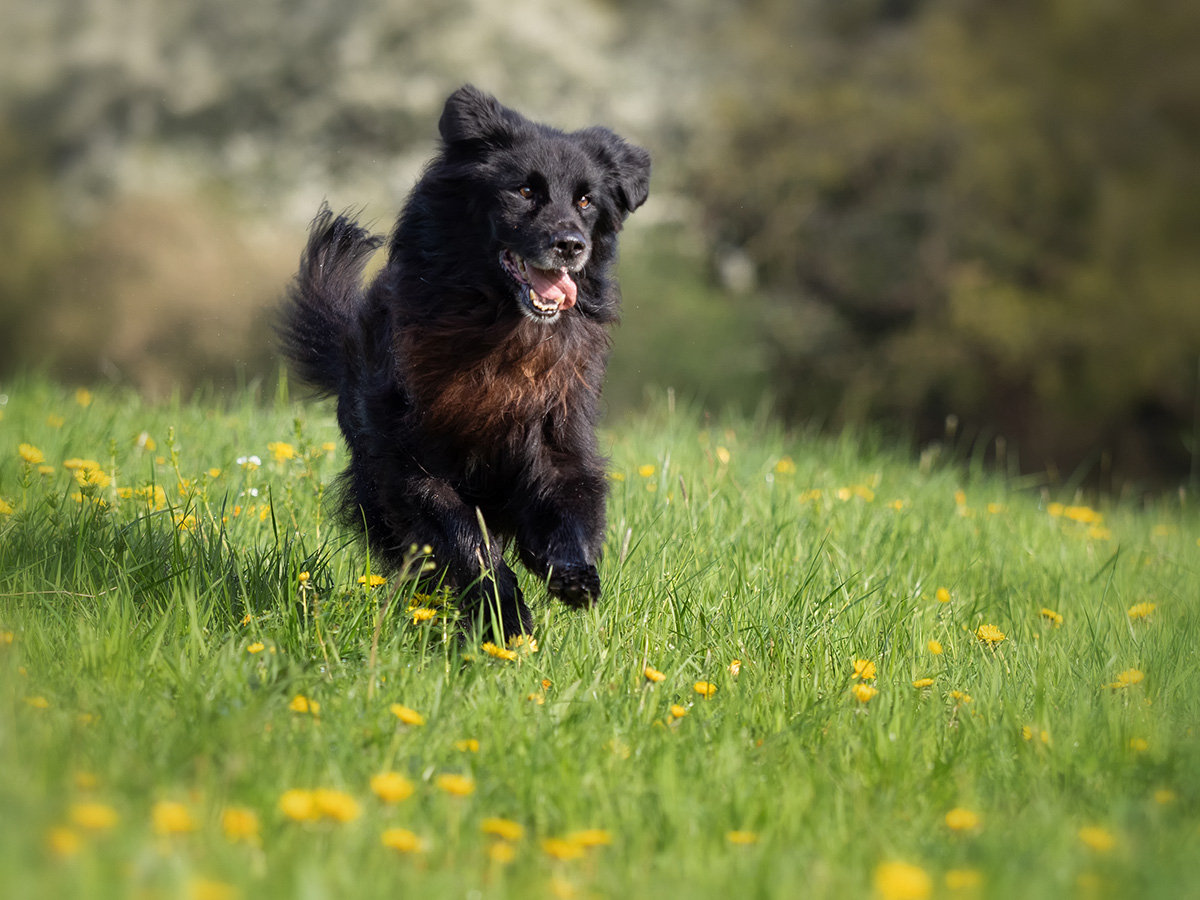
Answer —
575 585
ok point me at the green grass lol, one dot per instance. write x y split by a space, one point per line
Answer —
134 632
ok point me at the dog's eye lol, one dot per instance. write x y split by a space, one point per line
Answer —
584 202
525 191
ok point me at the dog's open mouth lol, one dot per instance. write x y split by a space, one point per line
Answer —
544 292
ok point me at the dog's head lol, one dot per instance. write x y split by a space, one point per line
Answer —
552 202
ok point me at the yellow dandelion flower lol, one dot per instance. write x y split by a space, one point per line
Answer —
1052 617
964 879
240 824
989 634
652 674
723 456
1099 533
843 494
898 504
810 496
92 816
785 466
1141 610
943 595
590 837
467 745
902 881
299 805
407 714
562 888
960 498
735 668
862 492
372 580
505 829
303 577
1054 510
960 696
5 508
207 889
501 852
31 454
302 704
678 711
257 647
1085 515
171 818
7 637
705 689
557 848
960 819
458 785
1027 732
1099 839
742 837
863 692
1128 677
1164 796
63 842
38 702
92 478
55 421
617 476
923 683
499 652
402 840
647 471
391 787
1139 745
935 647
864 669
995 509
336 805
537 697
526 643
422 614
281 451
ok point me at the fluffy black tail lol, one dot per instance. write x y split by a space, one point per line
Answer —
322 301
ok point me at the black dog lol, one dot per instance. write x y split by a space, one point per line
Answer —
468 374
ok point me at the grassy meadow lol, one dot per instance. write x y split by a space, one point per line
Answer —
819 670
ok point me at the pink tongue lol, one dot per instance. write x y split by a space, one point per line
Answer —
553 284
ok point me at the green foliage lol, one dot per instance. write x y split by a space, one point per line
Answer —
152 647
986 211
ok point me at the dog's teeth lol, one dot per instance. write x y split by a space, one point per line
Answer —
533 295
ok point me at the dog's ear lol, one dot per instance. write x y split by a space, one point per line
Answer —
627 166
472 115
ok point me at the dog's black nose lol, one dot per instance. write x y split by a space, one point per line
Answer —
568 245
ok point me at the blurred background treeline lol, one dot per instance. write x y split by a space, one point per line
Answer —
968 220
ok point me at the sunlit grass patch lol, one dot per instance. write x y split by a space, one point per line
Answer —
839 675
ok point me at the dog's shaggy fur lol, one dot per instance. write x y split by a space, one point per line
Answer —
468 373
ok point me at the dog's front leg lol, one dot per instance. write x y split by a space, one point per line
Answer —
559 535
428 511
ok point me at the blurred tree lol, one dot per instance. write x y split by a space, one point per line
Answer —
991 210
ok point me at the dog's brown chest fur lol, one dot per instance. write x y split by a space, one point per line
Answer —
479 392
